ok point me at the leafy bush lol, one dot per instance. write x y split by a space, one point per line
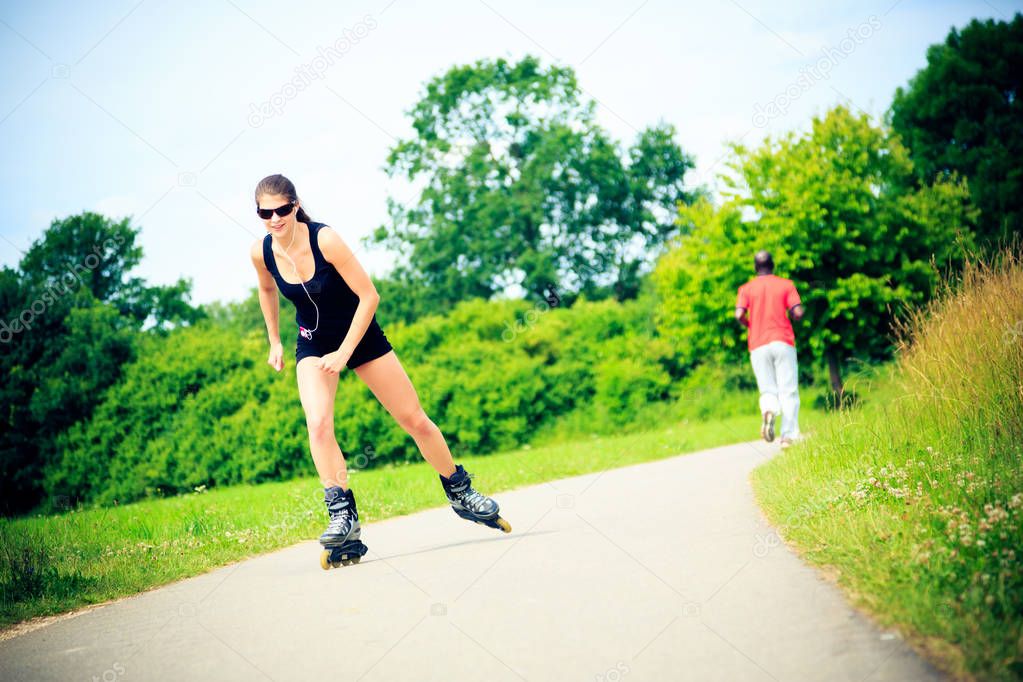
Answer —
199 406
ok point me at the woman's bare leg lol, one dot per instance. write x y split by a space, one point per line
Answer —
317 389
388 381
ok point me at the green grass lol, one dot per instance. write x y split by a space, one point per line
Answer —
52 564
915 499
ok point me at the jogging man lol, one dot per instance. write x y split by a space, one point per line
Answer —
765 305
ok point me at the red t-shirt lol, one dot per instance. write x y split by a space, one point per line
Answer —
768 298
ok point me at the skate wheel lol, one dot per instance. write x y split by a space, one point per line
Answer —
503 525
335 557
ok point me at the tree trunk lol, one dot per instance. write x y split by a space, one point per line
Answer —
835 372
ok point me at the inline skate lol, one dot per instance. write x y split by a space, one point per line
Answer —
341 543
471 504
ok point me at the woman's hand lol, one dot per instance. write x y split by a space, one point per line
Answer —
276 358
333 363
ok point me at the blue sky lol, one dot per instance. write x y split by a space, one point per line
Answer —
145 108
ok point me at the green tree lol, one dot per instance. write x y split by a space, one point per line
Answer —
19 480
962 114
695 282
92 251
521 186
840 210
70 314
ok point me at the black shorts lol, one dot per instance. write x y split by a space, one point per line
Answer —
372 346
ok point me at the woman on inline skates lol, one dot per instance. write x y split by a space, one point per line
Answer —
335 308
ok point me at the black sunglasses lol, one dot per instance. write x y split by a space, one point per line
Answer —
282 211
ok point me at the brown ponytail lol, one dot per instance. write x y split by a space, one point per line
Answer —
278 184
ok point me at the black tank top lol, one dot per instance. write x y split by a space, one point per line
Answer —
335 299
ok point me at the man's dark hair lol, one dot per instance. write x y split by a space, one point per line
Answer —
763 263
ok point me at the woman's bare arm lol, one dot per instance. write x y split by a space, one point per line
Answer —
268 300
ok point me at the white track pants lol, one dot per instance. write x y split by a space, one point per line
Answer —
774 365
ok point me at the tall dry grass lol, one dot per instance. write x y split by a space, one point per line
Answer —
962 356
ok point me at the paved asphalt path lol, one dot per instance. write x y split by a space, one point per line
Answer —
657 571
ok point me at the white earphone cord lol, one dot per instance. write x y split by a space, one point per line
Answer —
295 267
